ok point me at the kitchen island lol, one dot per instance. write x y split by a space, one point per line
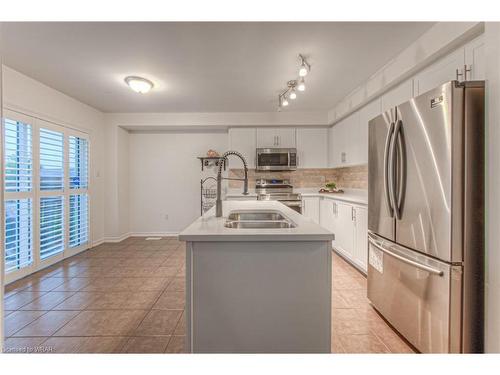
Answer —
257 290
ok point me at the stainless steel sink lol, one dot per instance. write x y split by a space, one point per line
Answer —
255 216
259 224
259 219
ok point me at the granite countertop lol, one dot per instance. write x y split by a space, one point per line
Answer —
211 228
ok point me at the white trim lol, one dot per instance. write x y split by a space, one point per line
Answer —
41 116
134 234
116 239
98 242
153 234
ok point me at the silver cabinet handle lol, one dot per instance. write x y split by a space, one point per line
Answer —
405 260
387 183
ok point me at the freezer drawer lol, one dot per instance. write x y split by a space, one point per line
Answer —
419 296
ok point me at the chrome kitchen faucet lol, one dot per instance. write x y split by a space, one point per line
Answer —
218 202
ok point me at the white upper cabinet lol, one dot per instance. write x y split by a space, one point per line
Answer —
312 147
368 112
346 143
442 71
475 59
397 95
286 137
243 141
470 57
267 138
276 137
335 141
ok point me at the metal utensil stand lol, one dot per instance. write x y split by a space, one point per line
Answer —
208 194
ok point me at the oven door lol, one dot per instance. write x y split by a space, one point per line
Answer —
274 159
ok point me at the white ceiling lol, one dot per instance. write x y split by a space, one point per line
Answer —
204 67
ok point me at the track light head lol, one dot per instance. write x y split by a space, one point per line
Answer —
304 66
302 85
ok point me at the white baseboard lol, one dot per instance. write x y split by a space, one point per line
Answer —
117 239
98 242
154 234
134 234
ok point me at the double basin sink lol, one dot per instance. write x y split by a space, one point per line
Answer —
257 220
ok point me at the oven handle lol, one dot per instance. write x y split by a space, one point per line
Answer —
405 260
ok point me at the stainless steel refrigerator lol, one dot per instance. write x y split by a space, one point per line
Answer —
426 218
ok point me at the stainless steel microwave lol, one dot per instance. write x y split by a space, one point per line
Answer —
276 159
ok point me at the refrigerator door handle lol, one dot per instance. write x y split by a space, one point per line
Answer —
405 260
392 170
387 174
398 197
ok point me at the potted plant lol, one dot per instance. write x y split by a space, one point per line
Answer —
331 186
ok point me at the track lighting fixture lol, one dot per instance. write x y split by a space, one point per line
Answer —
304 67
294 85
302 85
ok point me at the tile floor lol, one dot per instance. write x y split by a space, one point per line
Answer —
128 297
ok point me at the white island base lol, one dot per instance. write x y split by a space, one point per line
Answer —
261 293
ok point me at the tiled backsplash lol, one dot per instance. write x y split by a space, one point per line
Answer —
347 177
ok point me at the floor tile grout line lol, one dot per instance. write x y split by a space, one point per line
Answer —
13 333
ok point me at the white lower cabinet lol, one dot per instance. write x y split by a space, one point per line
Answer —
344 234
310 208
349 223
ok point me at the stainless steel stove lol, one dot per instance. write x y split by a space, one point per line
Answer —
272 189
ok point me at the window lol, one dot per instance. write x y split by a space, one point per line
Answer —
51 182
78 184
18 187
18 234
51 226
78 163
18 156
78 220
51 160
46 193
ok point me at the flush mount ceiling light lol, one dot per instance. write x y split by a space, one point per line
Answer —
139 84
294 85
